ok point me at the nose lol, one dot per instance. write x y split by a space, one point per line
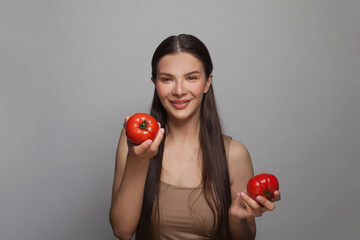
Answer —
179 88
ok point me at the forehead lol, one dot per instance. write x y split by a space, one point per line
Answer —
179 63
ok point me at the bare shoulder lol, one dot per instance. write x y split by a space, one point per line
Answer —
240 166
238 152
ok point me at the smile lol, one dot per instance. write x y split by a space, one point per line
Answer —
180 104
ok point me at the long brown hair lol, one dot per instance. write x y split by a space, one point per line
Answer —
215 175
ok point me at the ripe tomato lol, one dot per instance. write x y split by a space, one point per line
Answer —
263 184
141 127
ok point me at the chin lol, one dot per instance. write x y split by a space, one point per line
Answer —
179 116
182 115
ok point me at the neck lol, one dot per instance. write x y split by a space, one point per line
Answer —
184 131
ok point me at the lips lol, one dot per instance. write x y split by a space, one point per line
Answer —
180 104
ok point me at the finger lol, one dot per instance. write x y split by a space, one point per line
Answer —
239 208
151 145
251 204
158 138
139 149
239 201
266 204
277 196
125 122
153 149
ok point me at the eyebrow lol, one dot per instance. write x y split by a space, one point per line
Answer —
189 73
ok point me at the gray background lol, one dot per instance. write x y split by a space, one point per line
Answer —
286 79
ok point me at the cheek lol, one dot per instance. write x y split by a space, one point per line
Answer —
198 89
162 91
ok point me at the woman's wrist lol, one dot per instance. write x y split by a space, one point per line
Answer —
137 163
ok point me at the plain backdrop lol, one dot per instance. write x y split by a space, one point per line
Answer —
286 80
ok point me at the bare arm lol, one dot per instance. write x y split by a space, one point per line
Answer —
129 181
244 209
240 171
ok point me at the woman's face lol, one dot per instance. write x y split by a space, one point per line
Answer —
180 85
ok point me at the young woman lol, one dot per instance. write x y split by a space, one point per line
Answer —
189 183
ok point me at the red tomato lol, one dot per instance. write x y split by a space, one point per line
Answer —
141 127
263 184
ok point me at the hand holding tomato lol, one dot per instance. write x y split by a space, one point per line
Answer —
148 147
255 203
141 127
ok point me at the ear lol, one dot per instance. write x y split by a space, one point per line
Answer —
208 83
153 80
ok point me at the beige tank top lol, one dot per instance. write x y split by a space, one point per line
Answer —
183 211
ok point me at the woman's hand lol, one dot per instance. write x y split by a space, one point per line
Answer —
148 148
243 206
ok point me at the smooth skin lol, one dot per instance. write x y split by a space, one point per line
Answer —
181 77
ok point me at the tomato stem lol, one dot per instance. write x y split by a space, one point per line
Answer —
267 193
143 125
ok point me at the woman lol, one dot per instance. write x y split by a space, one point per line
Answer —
187 183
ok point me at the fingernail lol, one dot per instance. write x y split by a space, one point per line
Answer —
259 198
149 142
243 194
162 130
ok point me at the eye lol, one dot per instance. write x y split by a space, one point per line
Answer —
192 78
165 79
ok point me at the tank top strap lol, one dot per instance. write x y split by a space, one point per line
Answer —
227 140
